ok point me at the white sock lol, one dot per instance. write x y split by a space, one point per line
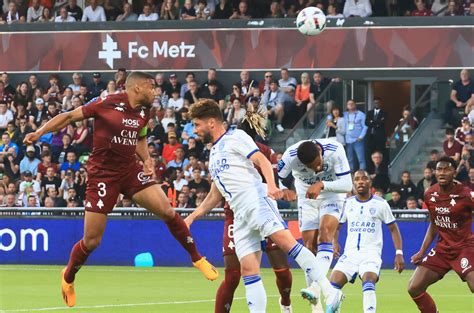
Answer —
324 256
307 261
255 294
370 300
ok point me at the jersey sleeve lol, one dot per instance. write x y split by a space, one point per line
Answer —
386 212
283 167
243 144
91 108
341 164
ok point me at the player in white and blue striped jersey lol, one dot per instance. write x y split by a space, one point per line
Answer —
365 213
322 180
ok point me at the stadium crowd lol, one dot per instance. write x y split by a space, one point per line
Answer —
52 173
152 10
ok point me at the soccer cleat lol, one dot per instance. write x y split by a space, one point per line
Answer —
285 308
318 308
311 294
67 290
209 271
334 301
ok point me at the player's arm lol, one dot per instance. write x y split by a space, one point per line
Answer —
55 124
210 202
397 242
429 237
284 171
144 154
267 171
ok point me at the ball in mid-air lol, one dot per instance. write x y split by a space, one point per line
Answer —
311 21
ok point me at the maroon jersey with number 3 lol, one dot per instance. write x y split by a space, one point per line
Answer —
452 215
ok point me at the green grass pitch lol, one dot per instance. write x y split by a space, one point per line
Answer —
28 288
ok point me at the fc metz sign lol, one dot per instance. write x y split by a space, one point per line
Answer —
345 49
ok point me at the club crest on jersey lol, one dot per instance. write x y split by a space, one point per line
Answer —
442 210
372 211
325 167
452 202
143 178
142 113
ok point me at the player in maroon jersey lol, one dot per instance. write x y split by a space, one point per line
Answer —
278 258
120 122
450 207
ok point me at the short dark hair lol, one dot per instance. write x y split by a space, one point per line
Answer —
448 160
434 151
134 76
406 172
449 131
206 108
307 152
411 198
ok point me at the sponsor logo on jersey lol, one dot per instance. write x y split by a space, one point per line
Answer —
143 178
442 210
130 122
120 107
465 265
281 165
444 221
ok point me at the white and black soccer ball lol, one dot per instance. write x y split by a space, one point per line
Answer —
311 21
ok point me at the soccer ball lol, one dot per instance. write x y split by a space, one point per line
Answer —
311 21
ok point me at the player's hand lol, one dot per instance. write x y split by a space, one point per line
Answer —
314 190
289 195
416 258
275 193
399 263
148 169
31 138
189 220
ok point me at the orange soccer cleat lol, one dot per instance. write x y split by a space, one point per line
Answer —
67 290
209 271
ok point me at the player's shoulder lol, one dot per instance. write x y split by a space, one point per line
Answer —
351 199
463 191
379 200
432 191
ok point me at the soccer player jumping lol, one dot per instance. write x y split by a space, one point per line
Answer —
120 128
365 214
450 207
231 165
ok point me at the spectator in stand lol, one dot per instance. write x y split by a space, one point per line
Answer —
6 116
411 204
46 16
357 8
175 102
170 117
192 95
23 129
470 182
287 84
333 11
407 187
336 126
169 11
236 113
82 139
376 135
38 113
9 88
94 12
302 96
179 161
421 9
174 84
120 78
110 89
29 181
464 130
273 100
223 10
50 180
84 94
71 163
242 13
396 201
54 195
198 182
11 164
265 84
97 86
34 11
453 9
30 162
275 10
462 97
128 15
10 201
7 144
170 148
148 15
246 83
76 83
355 134
23 95
74 10
59 153
46 162
194 149
187 11
63 17
320 83
202 11
200 196
185 87
470 11
378 171
80 183
406 127
33 83
13 15
188 128
212 92
427 181
183 201
212 77
30 200
179 180
452 147
66 184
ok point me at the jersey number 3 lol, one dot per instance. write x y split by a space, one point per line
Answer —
102 191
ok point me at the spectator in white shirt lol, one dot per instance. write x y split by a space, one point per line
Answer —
175 102
34 11
147 14
64 16
5 116
332 12
361 8
94 13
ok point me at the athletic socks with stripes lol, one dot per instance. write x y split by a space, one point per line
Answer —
324 256
255 294
369 300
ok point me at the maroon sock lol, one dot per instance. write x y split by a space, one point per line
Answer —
180 232
225 293
79 254
425 303
284 281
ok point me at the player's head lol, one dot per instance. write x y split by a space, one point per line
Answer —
141 87
253 124
310 154
445 171
362 182
207 118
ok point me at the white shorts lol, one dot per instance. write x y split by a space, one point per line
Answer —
352 263
310 211
254 224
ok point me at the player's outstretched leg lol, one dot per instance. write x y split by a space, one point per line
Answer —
369 300
420 281
307 261
279 261
254 290
225 293
154 200
94 226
